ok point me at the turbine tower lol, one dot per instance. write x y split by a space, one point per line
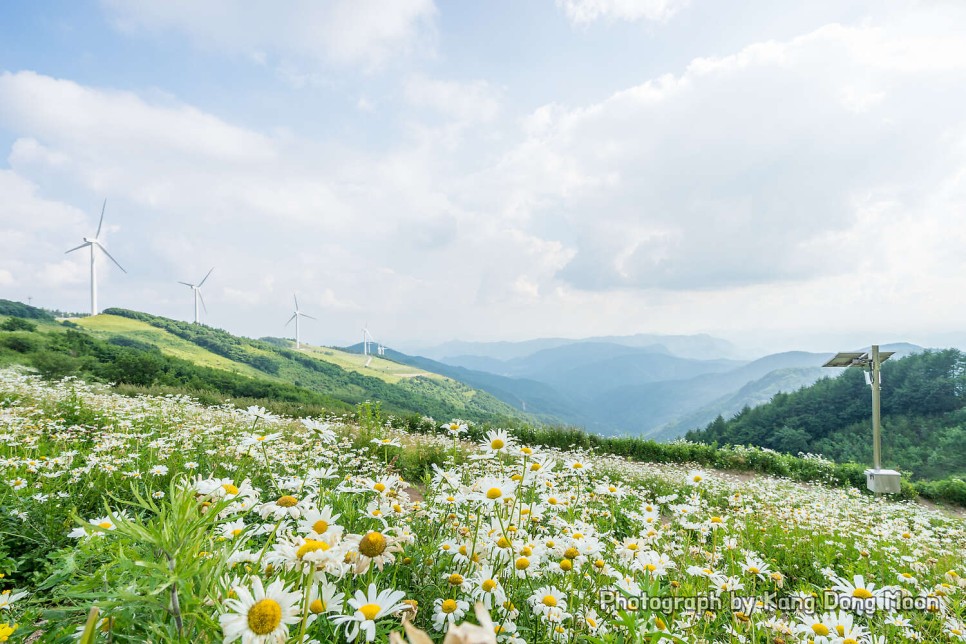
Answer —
295 316
92 242
196 288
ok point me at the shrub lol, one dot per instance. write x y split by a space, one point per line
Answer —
17 324
19 343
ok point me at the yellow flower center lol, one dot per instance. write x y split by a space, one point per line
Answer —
311 545
600 563
369 611
566 565
317 606
448 606
264 616
861 593
503 542
534 467
578 466
497 443
455 579
650 567
578 535
526 551
549 600
820 629
320 526
516 478
522 563
373 544
697 478
849 640
379 487
489 585
571 553
287 501
494 493
236 532
661 626
107 525
840 630
753 570
229 488
632 547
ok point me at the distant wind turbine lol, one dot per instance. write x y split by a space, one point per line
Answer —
366 341
196 288
295 316
92 242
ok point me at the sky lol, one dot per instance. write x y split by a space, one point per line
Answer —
784 175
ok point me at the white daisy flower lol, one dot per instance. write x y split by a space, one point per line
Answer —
368 608
262 615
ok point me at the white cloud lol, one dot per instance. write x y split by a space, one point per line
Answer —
369 33
476 101
587 11
735 171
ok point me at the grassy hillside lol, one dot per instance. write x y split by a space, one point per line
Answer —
112 326
923 417
141 352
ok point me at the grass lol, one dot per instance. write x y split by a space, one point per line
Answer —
106 326
386 370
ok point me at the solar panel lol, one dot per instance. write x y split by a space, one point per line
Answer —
847 359
856 359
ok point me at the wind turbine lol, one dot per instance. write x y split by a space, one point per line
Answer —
295 316
92 242
197 291
366 341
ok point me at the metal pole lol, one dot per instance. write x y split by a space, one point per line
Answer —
93 283
876 428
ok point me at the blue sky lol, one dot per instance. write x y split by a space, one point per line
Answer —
785 176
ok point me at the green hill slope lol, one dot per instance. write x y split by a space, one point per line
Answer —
136 349
923 417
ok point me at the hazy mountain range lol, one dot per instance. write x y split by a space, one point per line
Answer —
650 385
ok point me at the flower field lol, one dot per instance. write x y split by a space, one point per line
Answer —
179 522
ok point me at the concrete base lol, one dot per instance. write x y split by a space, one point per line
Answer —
882 481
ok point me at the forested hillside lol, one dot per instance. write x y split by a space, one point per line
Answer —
923 417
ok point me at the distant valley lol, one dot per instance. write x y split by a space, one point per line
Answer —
648 385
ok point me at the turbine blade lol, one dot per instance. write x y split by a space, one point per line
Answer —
290 319
84 245
206 277
186 284
202 298
112 258
306 315
101 223
295 297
